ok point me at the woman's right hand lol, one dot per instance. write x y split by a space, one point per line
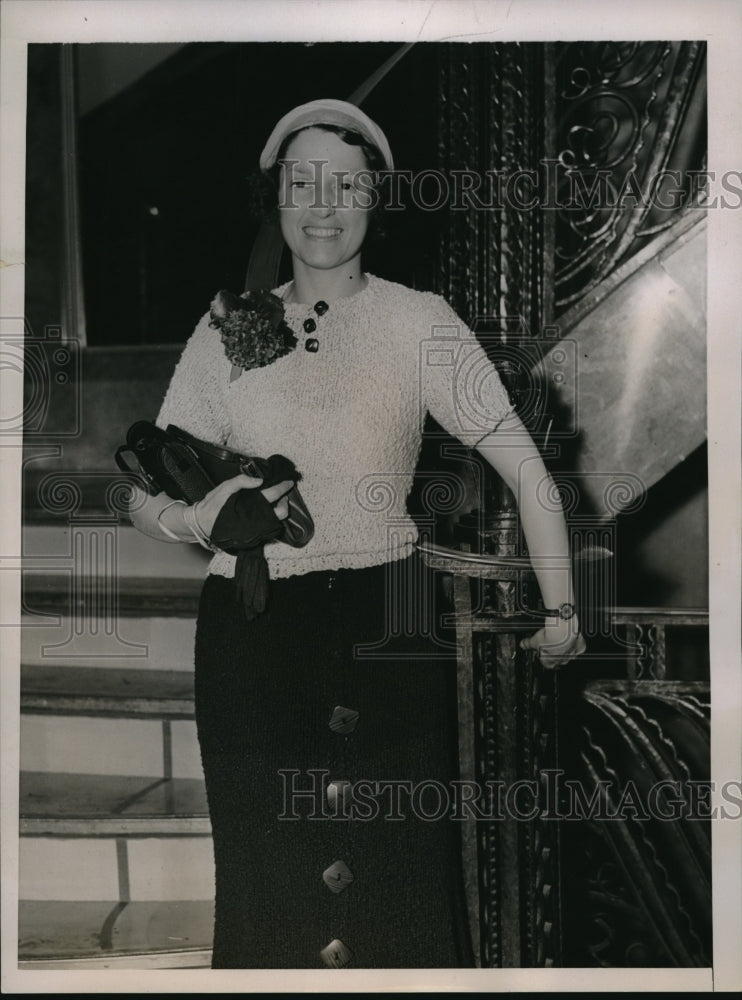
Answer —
212 503
149 514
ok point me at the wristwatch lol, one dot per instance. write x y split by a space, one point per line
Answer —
564 612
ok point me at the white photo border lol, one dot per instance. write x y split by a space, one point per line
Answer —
719 22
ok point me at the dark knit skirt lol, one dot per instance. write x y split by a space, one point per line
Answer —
328 739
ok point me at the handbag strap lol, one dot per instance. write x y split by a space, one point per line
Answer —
138 474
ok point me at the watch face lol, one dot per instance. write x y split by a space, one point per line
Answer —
566 611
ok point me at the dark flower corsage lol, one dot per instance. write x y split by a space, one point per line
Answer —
252 328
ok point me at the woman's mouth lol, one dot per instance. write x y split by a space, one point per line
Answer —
322 232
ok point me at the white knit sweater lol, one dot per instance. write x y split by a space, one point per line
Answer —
349 416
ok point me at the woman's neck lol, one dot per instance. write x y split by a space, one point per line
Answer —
311 284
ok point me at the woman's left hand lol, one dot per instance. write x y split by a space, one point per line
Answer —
556 643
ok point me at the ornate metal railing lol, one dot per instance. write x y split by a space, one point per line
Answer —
610 889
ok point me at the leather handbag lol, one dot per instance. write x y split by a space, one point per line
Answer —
186 468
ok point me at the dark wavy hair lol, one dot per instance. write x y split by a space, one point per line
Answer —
263 188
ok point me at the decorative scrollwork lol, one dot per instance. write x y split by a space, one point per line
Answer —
639 739
621 107
657 652
637 664
487 832
611 134
619 65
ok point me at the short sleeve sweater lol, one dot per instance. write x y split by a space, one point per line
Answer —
350 416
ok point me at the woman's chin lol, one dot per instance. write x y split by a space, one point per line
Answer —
323 256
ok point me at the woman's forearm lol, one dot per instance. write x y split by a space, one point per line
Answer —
545 531
159 517
512 453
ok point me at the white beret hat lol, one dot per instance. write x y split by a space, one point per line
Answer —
326 111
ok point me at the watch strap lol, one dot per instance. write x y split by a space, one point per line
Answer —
564 612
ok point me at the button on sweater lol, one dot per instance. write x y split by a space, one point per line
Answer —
349 415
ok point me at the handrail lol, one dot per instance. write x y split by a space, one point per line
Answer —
591 553
490 566
179 596
627 615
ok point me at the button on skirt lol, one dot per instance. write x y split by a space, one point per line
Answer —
328 739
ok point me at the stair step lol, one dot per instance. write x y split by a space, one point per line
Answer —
145 641
152 868
124 693
102 934
48 545
133 595
85 744
99 805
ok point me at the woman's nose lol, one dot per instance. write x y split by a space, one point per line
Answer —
325 205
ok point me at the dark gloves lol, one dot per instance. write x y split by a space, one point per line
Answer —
247 519
244 524
251 581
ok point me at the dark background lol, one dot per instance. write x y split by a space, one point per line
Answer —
165 170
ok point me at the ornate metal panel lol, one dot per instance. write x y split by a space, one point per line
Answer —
628 155
644 883
573 114
491 111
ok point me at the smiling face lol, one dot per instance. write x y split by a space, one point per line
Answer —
321 198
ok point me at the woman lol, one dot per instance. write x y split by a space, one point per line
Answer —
322 718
